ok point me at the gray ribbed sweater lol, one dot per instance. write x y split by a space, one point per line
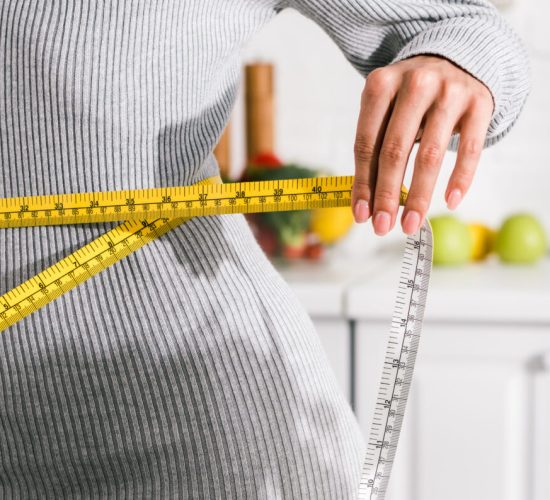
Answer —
208 381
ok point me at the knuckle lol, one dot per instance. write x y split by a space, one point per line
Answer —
393 153
429 156
361 185
480 109
418 80
481 100
361 189
419 202
471 147
378 81
385 199
451 92
364 149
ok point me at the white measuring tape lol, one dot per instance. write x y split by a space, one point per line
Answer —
401 348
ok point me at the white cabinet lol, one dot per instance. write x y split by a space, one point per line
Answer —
477 424
541 430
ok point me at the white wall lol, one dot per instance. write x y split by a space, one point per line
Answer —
318 94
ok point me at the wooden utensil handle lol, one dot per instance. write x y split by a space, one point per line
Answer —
259 102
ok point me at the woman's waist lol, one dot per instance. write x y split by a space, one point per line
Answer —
26 251
203 241
86 176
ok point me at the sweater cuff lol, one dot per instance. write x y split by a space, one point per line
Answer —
489 53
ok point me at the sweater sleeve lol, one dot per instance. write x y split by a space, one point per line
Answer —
470 33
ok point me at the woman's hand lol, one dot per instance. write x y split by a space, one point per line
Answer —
423 98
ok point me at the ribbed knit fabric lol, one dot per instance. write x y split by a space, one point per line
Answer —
188 370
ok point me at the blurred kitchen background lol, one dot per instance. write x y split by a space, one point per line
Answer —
478 421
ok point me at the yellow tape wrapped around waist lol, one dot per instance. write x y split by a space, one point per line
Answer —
82 264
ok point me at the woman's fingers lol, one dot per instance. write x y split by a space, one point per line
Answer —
426 98
414 98
473 130
376 102
440 122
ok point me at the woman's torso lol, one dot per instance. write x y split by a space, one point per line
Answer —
187 370
115 95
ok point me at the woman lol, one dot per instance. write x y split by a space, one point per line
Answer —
189 370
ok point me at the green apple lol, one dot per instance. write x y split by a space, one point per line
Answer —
521 240
452 241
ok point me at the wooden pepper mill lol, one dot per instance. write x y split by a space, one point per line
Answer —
222 152
259 115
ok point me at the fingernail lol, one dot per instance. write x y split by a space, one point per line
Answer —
361 211
454 198
411 222
381 222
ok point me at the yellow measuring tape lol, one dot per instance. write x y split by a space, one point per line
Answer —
149 213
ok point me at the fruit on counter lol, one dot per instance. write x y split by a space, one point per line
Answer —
521 240
290 228
293 244
265 236
483 241
265 160
285 233
331 224
269 168
452 240
314 251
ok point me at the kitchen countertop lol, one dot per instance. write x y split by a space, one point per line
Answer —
322 287
364 289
